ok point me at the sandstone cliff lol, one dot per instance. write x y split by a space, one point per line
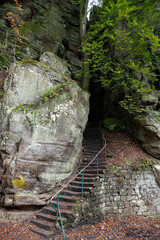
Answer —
43 112
43 116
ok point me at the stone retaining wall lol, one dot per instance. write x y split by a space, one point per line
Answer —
122 191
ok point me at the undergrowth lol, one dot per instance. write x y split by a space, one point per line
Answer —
142 165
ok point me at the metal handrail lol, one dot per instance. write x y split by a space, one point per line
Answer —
106 149
78 173
57 194
82 171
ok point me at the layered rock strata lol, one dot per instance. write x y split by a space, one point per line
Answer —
43 117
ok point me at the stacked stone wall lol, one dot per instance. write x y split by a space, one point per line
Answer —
122 192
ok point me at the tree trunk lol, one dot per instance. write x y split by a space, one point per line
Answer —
83 25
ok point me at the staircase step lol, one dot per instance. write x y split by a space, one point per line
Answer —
78 188
85 183
90 175
101 154
73 193
92 150
65 205
91 157
50 218
93 168
93 165
43 224
51 211
68 198
92 147
86 161
90 142
93 171
44 233
87 179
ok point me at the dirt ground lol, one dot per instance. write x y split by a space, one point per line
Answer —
112 228
124 148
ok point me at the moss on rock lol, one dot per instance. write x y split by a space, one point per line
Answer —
113 125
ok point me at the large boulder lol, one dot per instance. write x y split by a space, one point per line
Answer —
147 131
44 115
146 128
61 66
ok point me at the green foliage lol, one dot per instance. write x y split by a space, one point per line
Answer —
121 180
5 60
48 95
158 118
110 121
75 2
52 92
1 93
143 164
95 209
76 208
123 50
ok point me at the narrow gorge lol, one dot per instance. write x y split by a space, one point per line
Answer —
53 88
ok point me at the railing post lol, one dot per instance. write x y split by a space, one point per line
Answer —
56 212
58 208
103 140
97 166
82 183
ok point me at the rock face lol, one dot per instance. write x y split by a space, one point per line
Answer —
147 132
44 114
147 129
49 26
50 59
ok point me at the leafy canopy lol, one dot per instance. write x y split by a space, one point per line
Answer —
123 49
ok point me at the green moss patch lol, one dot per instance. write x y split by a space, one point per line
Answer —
158 118
32 28
35 63
5 60
113 125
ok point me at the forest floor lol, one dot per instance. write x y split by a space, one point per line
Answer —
126 150
112 228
